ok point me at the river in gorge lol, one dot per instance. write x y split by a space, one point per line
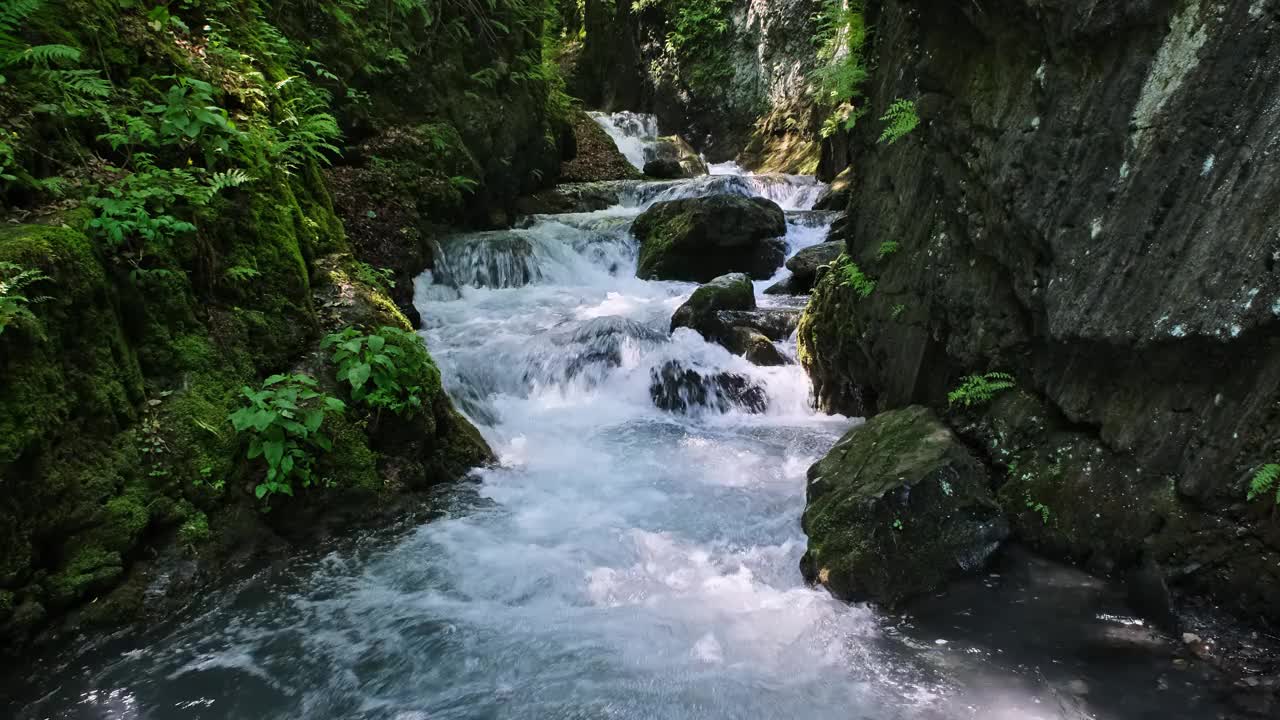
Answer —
623 561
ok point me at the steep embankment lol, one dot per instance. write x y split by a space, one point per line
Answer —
1087 205
730 75
162 174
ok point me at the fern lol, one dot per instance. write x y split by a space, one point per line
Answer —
901 118
887 248
14 279
1266 479
235 177
44 56
853 277
980 389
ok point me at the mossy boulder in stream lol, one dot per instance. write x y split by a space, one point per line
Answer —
698 239
896 509
701 311
673 157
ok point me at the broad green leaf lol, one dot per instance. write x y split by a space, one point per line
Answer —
358 375
273 450
376 342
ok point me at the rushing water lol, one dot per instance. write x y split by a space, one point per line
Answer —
623 562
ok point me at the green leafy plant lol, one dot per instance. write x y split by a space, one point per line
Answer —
1266 479
284 422
841 70
388 368
897 310
305 133
1037 507
190 116
146 211
887 248
980 389
14 304
73 92
901 119
852 277
384 278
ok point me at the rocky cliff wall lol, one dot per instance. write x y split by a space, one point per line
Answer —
1090 204
737 87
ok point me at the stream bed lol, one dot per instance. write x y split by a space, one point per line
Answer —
623 561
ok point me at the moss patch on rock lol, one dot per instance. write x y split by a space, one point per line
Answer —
897 508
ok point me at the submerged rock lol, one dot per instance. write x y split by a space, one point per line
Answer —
677 388
698 239
896 509
701 311
599 342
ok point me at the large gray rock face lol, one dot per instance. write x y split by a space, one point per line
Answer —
1128 275
701 238
897 508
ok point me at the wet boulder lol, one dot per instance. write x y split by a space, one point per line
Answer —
897 508
773 323
678 388
697 239
671 157
664 169
805 263
733 292
755 347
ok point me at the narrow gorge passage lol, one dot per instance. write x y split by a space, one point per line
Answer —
624 561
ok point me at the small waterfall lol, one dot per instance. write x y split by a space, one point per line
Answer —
633 133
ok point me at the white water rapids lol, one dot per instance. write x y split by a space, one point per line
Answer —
623 562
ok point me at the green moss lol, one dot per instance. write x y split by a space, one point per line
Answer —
195 531
351 466
82 367
87 571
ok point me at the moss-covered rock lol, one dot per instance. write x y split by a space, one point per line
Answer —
897 508
756 348
727 292
700 238
596 156
672 157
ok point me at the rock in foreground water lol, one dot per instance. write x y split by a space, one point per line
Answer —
896 509
697 239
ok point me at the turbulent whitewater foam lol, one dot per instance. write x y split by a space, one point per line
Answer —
790 192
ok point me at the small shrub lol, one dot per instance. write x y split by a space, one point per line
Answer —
387 369
284 423
887 248
980 389
1266 479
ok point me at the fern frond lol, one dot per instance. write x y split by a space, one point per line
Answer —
980 389
235 177
1265 480
901 118
46 55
